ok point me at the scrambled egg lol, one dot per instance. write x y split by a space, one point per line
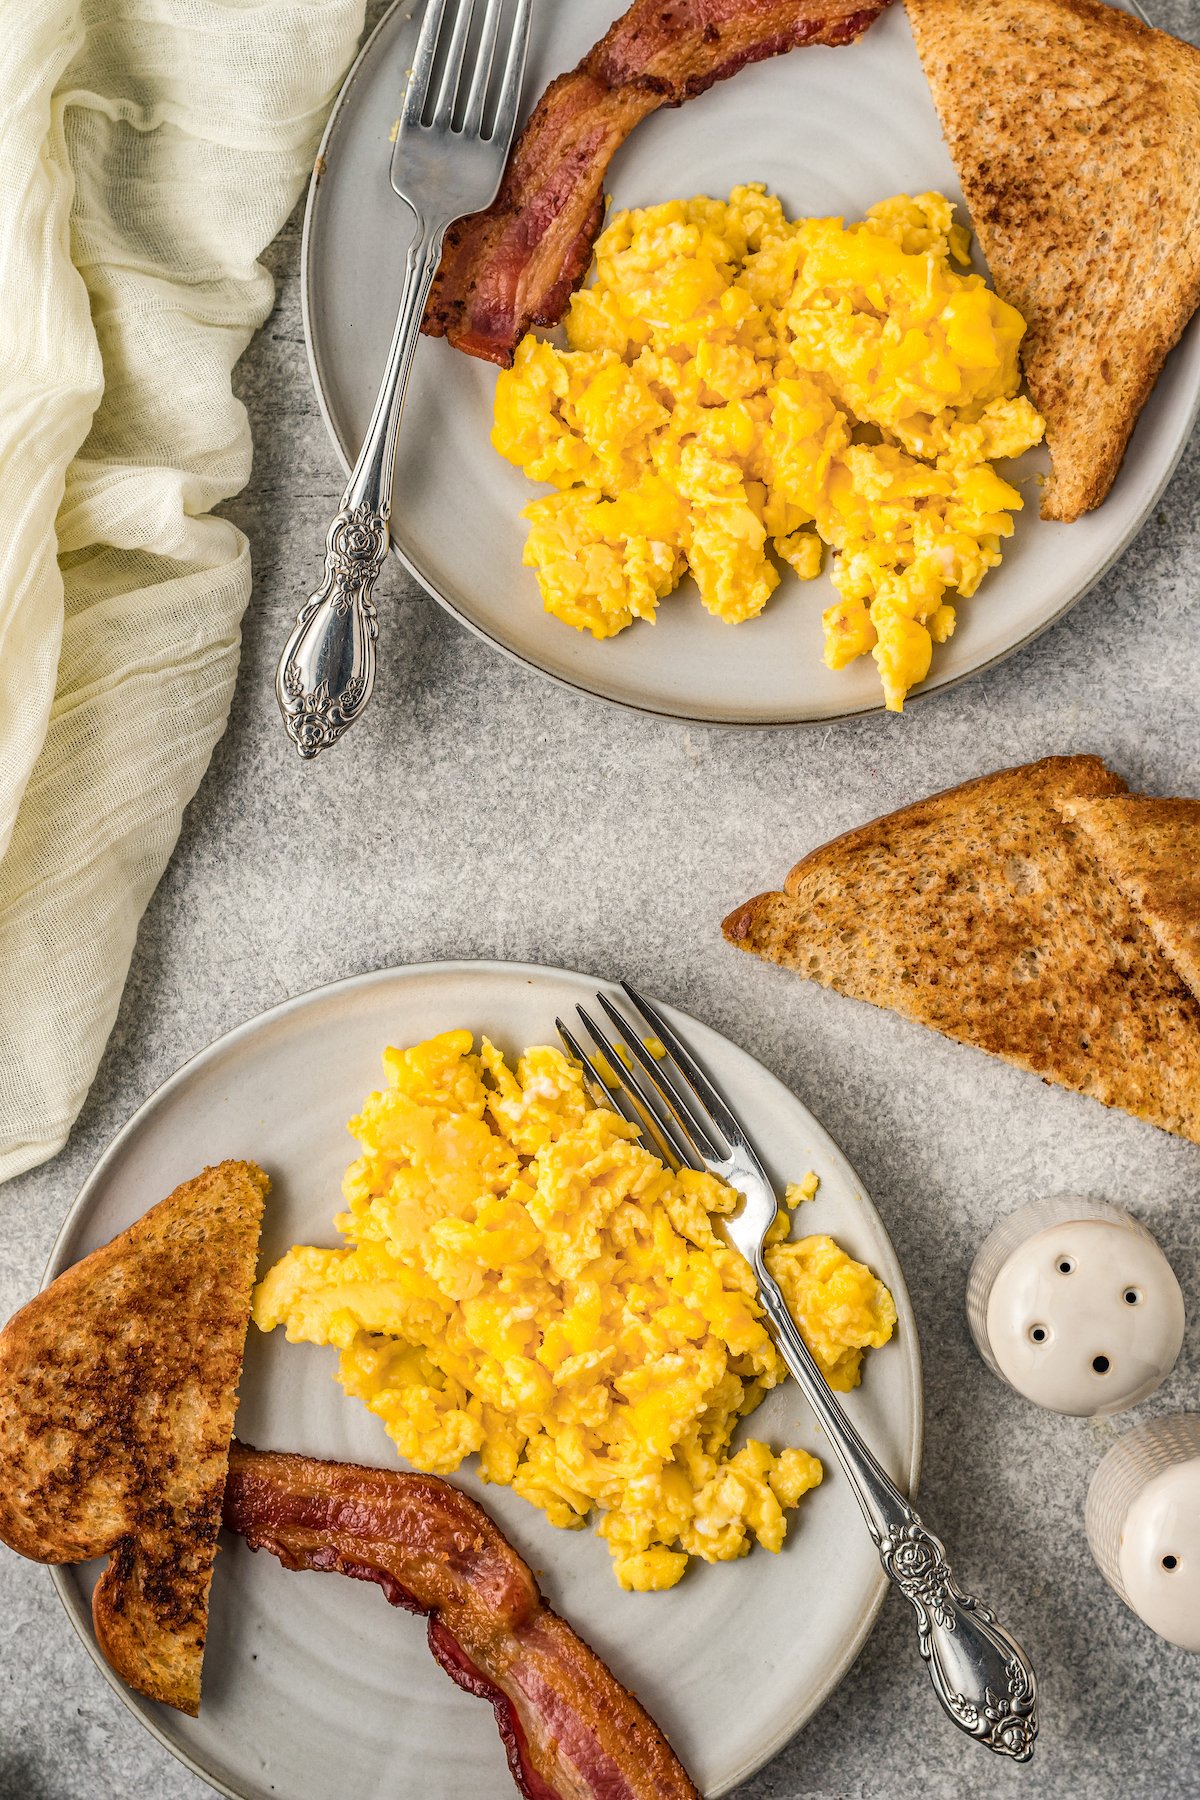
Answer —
736 383
525 1282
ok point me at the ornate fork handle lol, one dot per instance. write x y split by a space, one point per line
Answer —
327 669
980 1674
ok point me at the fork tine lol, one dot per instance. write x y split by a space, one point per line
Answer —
671 1100
671 1138
417 91
617 1100
510 85
443 110
703 1089
472 123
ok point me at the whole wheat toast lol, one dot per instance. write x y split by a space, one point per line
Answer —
117 1392
1151 849
1075 131
981 912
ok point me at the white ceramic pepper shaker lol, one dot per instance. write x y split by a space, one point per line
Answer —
1072 1302
1143 1524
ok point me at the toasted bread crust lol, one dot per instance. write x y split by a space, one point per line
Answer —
1053 775
117 1392
982 912
1075 130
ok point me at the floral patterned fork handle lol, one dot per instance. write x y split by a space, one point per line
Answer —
458 112
979 1672
327 669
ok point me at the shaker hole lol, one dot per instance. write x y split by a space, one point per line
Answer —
1132 1296
1038 1333
1066 1264
1100 1364
1170 1562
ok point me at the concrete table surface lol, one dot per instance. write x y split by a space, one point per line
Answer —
479 811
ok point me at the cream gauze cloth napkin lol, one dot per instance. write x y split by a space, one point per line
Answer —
151 149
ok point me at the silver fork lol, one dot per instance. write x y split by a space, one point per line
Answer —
980 1674
443 169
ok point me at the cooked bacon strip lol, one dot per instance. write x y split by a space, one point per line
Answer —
518 264
570 1729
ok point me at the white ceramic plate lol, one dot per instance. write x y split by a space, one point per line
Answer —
831 131
316 1689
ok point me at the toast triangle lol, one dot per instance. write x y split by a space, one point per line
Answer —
1075 131
982 913
117 1392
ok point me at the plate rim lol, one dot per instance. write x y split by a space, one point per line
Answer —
927 690
61 1574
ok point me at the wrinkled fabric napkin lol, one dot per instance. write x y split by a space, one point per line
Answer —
151 149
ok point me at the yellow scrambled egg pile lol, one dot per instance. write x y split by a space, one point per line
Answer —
734 380
524 1281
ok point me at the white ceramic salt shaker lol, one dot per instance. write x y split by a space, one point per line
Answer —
1072 1302
1143 1524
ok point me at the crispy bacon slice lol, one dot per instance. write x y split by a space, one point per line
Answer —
518 264
571 1731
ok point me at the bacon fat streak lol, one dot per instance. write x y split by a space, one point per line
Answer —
571 1731
518 264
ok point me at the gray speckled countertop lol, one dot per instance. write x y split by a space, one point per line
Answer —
499 816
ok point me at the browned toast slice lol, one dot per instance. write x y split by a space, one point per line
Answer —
982 913
1151 849
1075 131
117 1393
